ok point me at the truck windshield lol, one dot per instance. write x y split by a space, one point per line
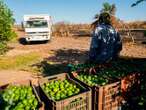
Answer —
36 24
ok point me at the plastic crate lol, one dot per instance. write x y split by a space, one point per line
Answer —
132 92
105 97
81 101
128 81
26 83
108 97
131 85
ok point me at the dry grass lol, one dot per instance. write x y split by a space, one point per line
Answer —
19 61
63 29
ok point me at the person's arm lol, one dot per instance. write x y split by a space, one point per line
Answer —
95 43
118 45
119 42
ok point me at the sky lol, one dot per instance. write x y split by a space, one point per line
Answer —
75 11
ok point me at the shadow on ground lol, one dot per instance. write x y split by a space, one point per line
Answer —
52 69
66 56
58 63
144 42
137 63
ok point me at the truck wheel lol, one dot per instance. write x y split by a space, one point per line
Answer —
28 42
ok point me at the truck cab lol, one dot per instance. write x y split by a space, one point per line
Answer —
37 27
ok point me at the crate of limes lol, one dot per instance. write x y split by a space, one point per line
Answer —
105 92
19 96
59 92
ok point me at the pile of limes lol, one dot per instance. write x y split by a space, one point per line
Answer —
18 98
58 90
92 80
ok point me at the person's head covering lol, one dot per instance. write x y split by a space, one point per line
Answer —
105 18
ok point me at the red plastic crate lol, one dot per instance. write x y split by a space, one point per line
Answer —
105 97
128 81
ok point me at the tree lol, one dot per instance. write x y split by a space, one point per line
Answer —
107 8
6 23
137 2
110 8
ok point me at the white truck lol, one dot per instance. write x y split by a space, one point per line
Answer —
37 27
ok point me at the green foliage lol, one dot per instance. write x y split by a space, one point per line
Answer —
137 2
110 8
18 98
6 23
3 47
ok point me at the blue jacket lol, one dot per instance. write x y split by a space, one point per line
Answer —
105 45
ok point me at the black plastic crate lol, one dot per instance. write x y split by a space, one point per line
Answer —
81 101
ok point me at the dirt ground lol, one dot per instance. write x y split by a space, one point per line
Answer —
60 50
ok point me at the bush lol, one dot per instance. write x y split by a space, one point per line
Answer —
3 47
6 23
